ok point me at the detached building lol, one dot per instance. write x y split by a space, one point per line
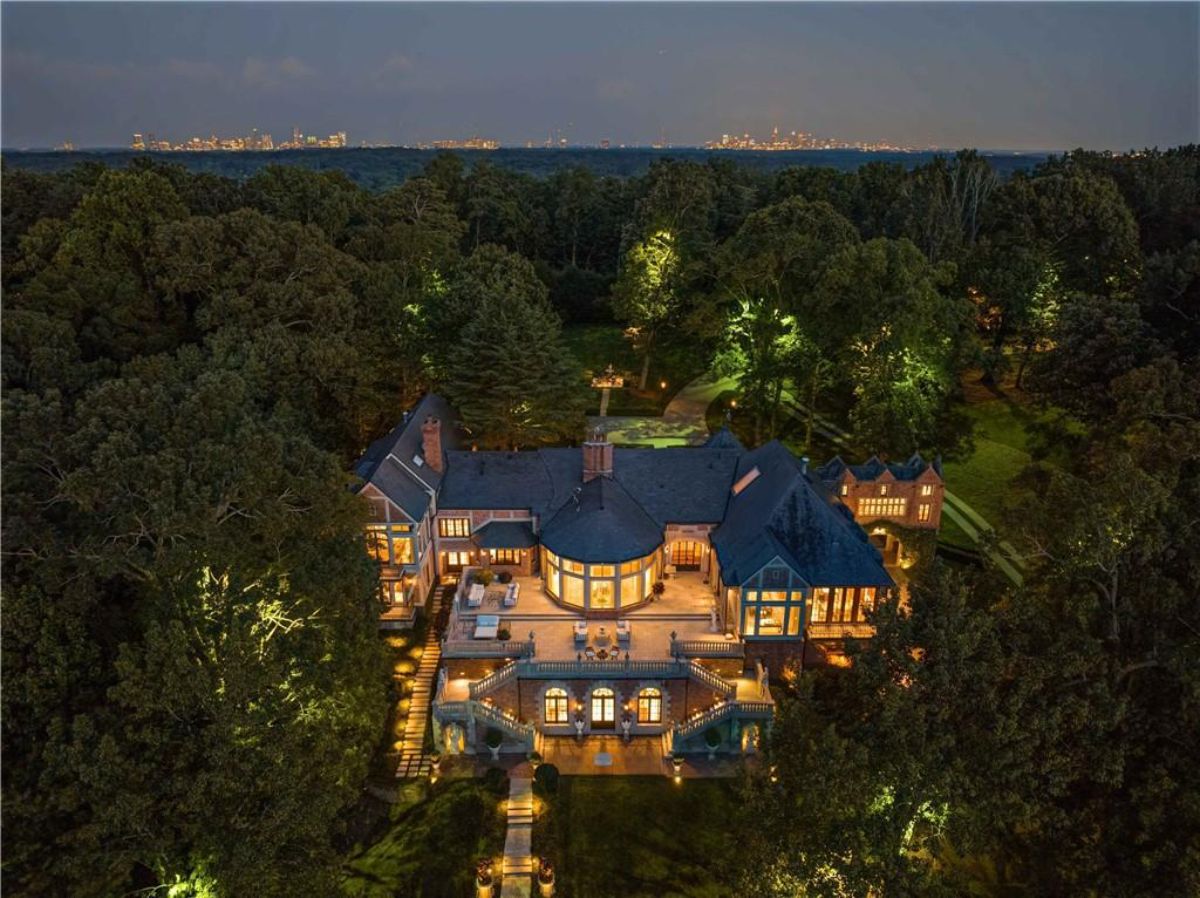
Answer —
642 593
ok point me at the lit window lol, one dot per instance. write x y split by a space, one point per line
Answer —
603 594
927 489
650 706
395 593
601 570
883 489
820 606
868 601
574 567
556 706
845 489
402 544
506 556
794 614
377 543
632 567
923 512
893 507
770 621
572 590
454 527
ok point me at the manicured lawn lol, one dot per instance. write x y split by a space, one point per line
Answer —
430 844
640 837
983 479
596 346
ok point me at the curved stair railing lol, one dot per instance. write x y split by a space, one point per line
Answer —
494 680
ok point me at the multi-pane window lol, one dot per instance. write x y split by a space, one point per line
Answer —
506 556
845 489
402 543
454 527
770 620
556 706
892 507
394 593
926 489
883 489
650 706
820 605
377 543
456 561
923 513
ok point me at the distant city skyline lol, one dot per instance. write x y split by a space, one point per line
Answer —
996 76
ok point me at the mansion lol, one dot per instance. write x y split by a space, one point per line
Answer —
639 593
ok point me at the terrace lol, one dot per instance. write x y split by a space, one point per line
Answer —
685 612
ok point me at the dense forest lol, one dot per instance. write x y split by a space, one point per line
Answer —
194 685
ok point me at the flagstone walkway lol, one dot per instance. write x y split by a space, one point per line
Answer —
517 870
414 762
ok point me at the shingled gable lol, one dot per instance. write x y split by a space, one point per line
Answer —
784 513
874 469
395 464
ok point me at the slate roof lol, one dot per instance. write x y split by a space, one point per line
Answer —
602 522
724 439
391 462
787 512
505 535
831 472
676 485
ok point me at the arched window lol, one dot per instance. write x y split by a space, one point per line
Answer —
556 706
650 706
603 707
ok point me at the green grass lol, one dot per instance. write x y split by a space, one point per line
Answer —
432 840
640 837
673 362
983 479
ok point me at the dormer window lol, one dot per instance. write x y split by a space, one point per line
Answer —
927 489
845 489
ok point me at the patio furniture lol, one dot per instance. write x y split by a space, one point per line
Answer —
486 626
602 638
475 595
511 594
580 629
624 631
589 653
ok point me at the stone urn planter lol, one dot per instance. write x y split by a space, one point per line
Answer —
713 740
677 766
485 882
545 879
435 764
493 741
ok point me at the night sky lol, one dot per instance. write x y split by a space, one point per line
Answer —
1009 76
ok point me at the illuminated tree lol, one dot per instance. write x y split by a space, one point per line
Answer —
646 292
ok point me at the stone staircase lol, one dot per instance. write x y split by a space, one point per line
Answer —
414 762
517 869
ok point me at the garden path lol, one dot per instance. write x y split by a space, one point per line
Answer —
517 870
682 423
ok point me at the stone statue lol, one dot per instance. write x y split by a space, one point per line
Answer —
626 723
579 728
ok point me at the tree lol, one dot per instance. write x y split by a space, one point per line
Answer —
509 373
647 292
768 273
900 341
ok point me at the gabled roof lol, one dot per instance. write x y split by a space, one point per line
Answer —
724 439
602 523
505 535
874 468
680 484
787 512
396 465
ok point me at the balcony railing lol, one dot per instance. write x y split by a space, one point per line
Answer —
838 630
486 648
707 648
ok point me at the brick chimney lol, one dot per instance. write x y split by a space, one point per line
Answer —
597 456
431 442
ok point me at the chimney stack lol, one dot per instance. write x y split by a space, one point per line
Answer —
597 456
431 442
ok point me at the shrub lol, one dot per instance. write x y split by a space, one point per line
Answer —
658 588
504 576
503 634
483 577
495 780
545 780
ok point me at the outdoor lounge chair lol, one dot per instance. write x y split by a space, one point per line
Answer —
476 594
510 595
487 626
624 631
581 632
